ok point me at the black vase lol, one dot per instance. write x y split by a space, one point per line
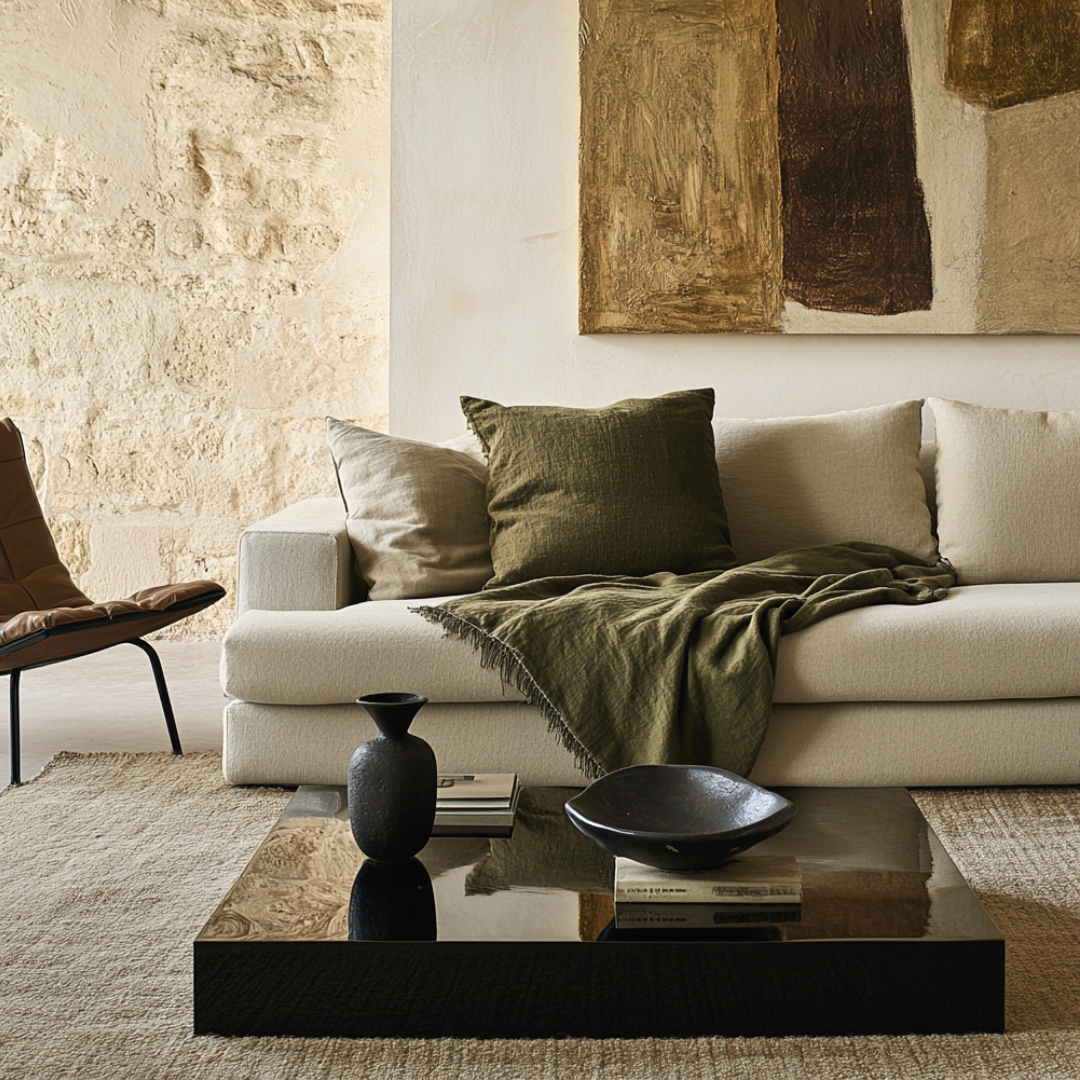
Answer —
392 902
392 782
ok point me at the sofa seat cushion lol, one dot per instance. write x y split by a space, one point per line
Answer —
331 657
981 642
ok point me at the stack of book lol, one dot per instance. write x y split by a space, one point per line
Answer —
476 804
749 890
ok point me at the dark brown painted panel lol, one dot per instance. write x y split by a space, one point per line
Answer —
1004 52
679 169
856 235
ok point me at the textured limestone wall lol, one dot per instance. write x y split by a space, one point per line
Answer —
193 267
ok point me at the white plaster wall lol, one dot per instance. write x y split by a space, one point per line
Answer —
484 254
194 237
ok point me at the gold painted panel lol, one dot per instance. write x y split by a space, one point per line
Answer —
679 168
1002 53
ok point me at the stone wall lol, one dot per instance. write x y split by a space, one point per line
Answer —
193 267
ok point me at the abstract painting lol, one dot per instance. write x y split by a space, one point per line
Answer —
829 166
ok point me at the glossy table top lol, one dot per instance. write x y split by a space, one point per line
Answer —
872 868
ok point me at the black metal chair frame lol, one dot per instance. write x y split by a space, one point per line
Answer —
13 698
39 635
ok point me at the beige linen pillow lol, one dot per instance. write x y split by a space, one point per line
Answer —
1008 492
800 481
416 513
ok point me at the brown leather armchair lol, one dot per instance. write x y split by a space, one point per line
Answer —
44 618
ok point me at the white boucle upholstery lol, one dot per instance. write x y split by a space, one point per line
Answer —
981 688
268 744
298 559
848 744
325 658
981 642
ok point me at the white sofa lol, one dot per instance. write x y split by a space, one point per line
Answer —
982 688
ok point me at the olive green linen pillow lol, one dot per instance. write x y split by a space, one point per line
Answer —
629 489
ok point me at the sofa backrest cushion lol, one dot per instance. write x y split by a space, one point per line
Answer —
416 513
1007 492
630 489
799 481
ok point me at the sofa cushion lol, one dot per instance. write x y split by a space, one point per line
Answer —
330 657
1007 492
848 744
415 512
922 744
628 489
297 744
981 642
799 481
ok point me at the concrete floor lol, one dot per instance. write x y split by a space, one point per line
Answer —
108 701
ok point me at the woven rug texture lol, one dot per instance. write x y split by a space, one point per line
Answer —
113 862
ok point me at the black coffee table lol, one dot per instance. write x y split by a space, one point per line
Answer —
891 939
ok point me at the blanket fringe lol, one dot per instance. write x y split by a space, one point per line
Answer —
497 655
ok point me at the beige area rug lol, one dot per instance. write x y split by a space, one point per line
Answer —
112 862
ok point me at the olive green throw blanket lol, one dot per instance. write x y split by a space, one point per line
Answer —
672 668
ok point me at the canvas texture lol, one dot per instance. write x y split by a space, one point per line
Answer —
1007 492
627 489
415 513
803 481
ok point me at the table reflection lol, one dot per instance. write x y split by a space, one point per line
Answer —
392 902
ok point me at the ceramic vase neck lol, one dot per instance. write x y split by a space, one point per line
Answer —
393 713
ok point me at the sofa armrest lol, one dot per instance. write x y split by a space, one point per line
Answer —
298 559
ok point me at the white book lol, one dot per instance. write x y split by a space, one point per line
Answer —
760 879
476 791
490 814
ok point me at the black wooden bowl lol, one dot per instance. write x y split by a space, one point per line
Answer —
678 817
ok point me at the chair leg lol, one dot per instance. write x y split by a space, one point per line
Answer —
13 716
163 692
